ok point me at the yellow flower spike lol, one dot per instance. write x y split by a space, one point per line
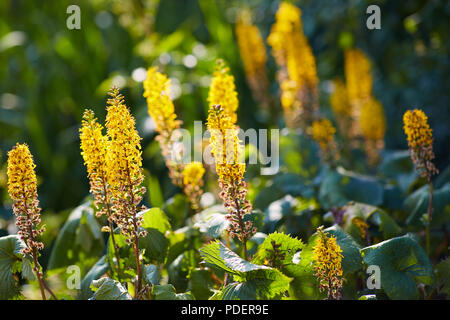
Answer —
21 176
124 162
323 132
160 106
327 256
222 91
358 75
339 99
193 183
230 167
420 142
372 120
225 145
362 226
22 188
251 45
297 72
124 170
193 173
416 128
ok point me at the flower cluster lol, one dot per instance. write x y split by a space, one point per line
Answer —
359 84
222 91
23 191
94 146
253 54
323 133
361 225
327 264
230 167
367 113
420 142
373 128
341 107
124 166
193 183
297 67
160 107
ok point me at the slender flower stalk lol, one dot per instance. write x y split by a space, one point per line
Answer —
327 264
161 109
323 133
22 188
230 167
420 142
193 183
297 72
94 146
254 57
124 173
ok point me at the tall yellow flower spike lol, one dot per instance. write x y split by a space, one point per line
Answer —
253 54
373 128
420 142
22 188
94 149
323 133
193 182
359 85
230 167
416 128
222 91
339 99
251 45
327 256
160 107
297 67
124 168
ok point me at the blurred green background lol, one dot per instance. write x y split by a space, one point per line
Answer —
49 74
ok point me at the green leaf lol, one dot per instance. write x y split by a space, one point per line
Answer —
80 238
402 261
176 210
443 276
341 186
167 292
266 282
386 225
200 283
417 205
155 218
155 243
286 245
109 289
10 259
151 274
212 221
99 269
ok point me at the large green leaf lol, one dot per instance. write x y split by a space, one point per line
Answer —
402 262
341 186
285 246
443 276
99 269
212 221
200 283
265 282
79 238
167 292
10 262
109 289
386 224
417 205
155 243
